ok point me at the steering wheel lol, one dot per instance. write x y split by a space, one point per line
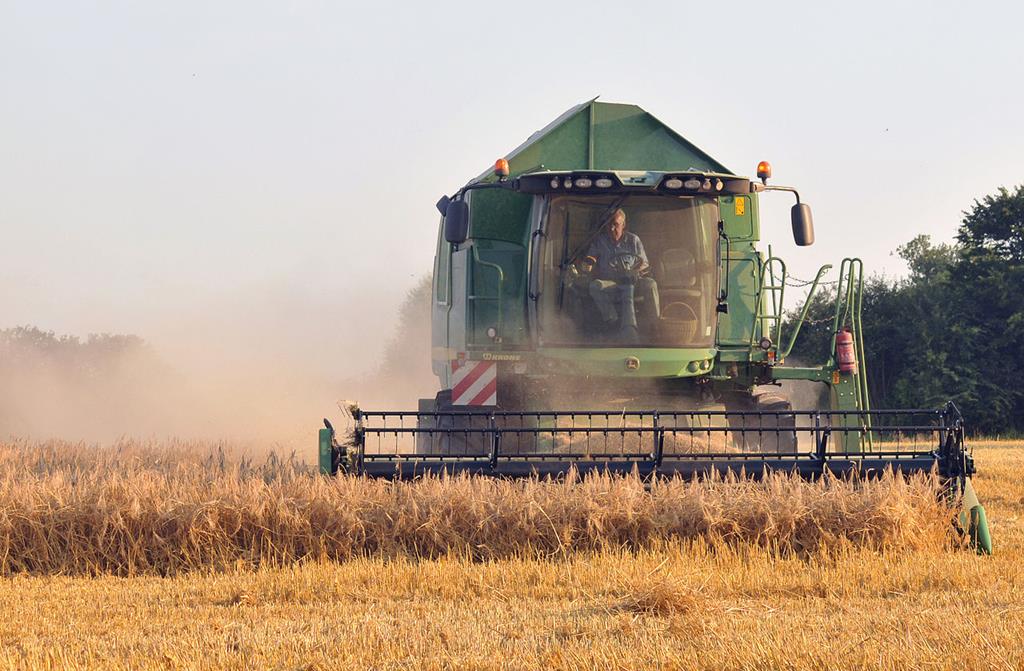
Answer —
626 265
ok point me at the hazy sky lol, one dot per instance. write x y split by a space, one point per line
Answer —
272 167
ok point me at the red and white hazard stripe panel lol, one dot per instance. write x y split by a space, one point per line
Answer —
474 383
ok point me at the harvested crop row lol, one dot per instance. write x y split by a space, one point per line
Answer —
97 513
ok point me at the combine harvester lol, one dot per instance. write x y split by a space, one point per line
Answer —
609 263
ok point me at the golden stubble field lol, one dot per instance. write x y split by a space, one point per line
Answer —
697 603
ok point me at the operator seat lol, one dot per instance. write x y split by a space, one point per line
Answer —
678 283
676 272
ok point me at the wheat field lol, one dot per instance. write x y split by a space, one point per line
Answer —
139 509
729 596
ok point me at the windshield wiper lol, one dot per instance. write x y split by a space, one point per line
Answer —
602 222
567 259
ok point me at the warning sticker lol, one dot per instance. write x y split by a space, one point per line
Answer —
741 206
474 383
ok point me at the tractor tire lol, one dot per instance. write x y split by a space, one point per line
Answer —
785 440
764 434
452 435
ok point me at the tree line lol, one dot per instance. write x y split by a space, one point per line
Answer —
30 348
953 328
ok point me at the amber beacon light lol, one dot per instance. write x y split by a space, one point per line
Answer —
501 168
764 171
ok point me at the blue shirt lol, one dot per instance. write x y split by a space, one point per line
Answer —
605 250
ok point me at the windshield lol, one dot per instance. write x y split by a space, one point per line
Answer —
629 271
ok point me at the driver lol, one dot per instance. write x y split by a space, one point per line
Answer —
618 259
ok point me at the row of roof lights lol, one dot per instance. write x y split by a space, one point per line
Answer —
764 171
691 184
695 184
580 182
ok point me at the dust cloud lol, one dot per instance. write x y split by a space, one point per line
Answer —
260 371
257 370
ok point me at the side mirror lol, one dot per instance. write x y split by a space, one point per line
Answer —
456 222
442 205
803 224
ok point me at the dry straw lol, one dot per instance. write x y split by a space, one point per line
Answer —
140 508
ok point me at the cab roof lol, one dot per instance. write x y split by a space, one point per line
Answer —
608 137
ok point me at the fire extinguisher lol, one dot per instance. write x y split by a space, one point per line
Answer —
846 354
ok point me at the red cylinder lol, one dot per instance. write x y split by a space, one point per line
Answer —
846 354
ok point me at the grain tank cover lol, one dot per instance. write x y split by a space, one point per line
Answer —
608 136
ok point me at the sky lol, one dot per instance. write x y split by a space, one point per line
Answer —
268 171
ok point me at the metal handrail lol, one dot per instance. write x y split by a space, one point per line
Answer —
803 313
777 294
501 285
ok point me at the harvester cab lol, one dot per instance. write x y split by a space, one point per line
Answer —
600 302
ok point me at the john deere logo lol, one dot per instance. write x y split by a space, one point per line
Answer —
632 363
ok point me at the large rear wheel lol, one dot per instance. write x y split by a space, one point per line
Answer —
766 424
461 433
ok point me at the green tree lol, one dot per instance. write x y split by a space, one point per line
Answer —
953 329
920 334
988 281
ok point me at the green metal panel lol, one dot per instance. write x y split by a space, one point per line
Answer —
734 327
611 361
608 136
500 230
325 452
500 215
628 138
740 217
740 222
497 292
844 396
561 146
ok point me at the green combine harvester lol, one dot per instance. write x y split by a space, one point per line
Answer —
600 302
